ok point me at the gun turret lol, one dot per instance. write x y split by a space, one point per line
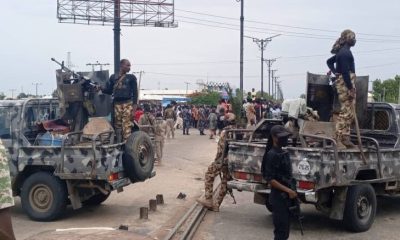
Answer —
76 77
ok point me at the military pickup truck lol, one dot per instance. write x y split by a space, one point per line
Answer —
54 162
340 183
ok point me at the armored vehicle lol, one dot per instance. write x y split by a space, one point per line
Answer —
343 184
64 151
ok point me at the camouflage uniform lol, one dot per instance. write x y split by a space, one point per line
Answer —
202 120
6 197
346 115
148 119
219 166
170 117
123 116
160 129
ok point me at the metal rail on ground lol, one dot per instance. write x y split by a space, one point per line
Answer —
186 227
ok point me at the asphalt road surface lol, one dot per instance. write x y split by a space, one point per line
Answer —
247 220
185 161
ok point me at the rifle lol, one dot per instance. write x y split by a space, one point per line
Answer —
294 207
76 76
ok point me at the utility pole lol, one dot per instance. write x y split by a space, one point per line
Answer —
97 64
241 46
187 85
12 92
272 83
140 82
36 87
276 87
269 64
117 33
262 43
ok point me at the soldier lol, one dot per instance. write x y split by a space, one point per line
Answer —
147 118
212 125
345 85
186 117
6 198
159 133
218 167
170 117
124 89
277 171
202 120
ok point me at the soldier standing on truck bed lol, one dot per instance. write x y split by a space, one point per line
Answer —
218 167
124 89
6 197
277 171
345 85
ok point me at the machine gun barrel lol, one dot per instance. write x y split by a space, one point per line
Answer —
75 75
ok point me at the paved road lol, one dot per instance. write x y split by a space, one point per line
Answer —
247 220
186 159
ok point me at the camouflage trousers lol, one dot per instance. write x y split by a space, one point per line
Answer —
346 114
123 117
214 170
6 197
159 142
170 128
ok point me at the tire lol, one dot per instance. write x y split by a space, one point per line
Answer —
138 158
44 196
96 199
360 208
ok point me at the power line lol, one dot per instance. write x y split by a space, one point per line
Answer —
274 31
284 25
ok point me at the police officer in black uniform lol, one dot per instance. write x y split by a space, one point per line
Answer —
277 171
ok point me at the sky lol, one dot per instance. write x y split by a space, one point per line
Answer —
205 45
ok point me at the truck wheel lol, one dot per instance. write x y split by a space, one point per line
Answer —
138 159
360 208
268 204
96 199
43 196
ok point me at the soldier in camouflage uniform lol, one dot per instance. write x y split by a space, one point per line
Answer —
170 117
124 89
6 197
159 137
147 119
345 85
202 120
218 167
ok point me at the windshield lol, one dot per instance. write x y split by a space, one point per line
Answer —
5 122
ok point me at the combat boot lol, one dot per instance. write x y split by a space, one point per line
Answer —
215 208
208 203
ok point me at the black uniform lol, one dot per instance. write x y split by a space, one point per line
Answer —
344 64
277 166
126 92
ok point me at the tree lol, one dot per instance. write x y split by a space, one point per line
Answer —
2 96
205 98
387 90
55 94
22 95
